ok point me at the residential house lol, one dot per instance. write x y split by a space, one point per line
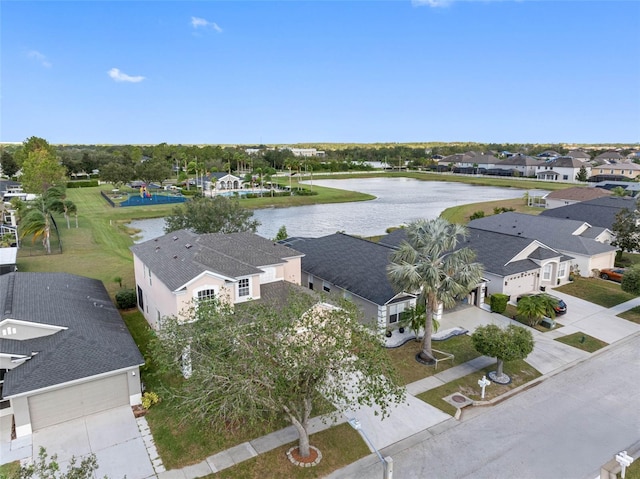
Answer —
354 268
588 245
608 157
176 270
513 265
548 155
631 188
65 352
579 155
623 170
569 196
563 168
597 212
8 259
522 164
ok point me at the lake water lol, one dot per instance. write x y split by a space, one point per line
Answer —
398 201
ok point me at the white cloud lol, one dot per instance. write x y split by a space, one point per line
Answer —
39 57
119 76
202 23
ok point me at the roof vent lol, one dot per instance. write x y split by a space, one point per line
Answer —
174 238
188 245
157 248
175 256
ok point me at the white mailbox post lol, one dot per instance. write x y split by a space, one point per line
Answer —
483 383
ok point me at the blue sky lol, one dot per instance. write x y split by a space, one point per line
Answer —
240 72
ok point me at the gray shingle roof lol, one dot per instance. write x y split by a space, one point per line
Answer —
553 232
96 339
178 257
355 264
597 212
493 250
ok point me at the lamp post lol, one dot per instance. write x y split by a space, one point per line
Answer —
387 462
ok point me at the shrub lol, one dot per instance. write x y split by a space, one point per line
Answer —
476 215
82 183
126 299
149 399
499 302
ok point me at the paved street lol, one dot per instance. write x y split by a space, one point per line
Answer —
566 427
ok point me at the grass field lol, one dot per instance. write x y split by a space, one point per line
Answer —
596 290
583 341
519 371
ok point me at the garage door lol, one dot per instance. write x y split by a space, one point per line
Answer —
76 401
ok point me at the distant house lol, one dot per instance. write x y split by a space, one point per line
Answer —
523 164
608 157
587 245
597 212
624 169
564 168
548 154
579 155
8 260
356 269
569 196
175 271
631 188
65 352
220 181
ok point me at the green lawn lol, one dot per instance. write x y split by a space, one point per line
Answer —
340 445
596 290
519 371
411 370
632 315
582 341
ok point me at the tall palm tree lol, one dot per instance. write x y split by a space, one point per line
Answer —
430 263
36 223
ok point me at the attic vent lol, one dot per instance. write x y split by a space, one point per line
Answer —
175 256
188 245
174 238
157 248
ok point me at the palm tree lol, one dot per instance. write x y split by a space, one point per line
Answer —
536 307
430 263
36 223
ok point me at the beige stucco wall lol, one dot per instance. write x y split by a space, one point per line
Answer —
158 299
292 270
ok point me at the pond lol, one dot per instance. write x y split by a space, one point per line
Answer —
398 201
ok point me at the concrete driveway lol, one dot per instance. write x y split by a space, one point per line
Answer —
112 435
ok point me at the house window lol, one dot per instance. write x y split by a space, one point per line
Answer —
310 282
565 177
546 272
326 287
140 298
149 276
396 311
243 287
206 295
562 270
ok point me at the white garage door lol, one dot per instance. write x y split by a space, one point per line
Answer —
76 401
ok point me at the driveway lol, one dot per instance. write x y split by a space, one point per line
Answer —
112 435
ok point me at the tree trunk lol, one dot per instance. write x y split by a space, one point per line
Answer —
499 368
426 353
66 217
301 425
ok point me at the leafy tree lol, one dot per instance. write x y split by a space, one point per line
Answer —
211 215
582 174
626 228
282 234
266 361
117 173
631 280
505 345
536 306
40 171
31 145
8 164
153 170
430 264
46 467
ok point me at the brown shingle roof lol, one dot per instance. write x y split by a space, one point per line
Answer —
578 194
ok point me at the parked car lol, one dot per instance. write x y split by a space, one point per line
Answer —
560 308
614 274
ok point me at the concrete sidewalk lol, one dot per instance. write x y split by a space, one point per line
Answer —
416 418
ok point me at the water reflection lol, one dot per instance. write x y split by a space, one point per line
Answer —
398 201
